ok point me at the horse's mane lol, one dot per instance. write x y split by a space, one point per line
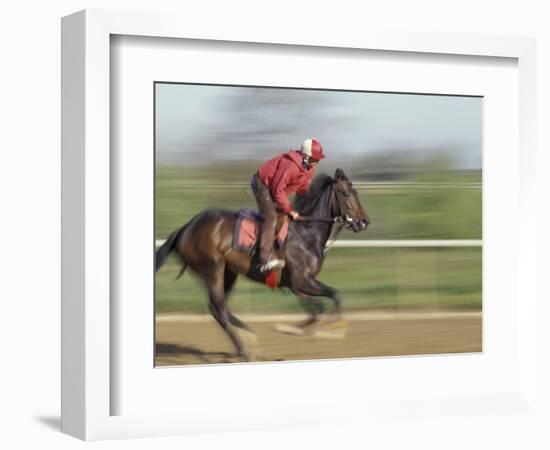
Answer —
304 203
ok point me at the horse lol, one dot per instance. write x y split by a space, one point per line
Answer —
204 244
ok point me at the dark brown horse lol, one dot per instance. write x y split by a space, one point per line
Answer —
205 245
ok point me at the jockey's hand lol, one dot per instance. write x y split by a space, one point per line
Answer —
294 215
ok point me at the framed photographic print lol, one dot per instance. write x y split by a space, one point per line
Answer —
412 161
389 226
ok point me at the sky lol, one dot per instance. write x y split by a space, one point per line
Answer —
200 123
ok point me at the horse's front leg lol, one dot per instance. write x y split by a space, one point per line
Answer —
312 306
315 288
335 326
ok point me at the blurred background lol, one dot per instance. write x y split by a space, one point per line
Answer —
415 160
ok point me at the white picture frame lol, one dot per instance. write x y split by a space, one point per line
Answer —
86 247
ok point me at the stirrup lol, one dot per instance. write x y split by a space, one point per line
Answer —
272 264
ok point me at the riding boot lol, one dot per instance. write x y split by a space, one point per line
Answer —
267 208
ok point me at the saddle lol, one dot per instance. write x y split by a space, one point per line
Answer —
247 228
246 236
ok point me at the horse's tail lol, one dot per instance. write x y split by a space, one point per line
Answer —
167 248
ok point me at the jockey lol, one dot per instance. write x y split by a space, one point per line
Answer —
276 179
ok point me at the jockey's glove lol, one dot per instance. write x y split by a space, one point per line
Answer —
294 215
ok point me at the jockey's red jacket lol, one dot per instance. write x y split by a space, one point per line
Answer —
284 175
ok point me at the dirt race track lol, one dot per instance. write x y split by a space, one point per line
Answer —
182 340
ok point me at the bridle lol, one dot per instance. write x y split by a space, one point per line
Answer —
340 218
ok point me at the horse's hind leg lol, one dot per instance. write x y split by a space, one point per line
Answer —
229 281
218 308
250 336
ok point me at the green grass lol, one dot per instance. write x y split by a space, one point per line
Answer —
367 278
396 213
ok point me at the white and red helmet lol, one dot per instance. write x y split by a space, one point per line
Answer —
313 149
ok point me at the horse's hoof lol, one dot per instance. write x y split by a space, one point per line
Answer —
289 329
339 333
249 337
335 324
336 329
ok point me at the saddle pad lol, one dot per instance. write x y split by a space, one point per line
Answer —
245 232
249 213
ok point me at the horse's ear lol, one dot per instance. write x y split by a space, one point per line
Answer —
340 175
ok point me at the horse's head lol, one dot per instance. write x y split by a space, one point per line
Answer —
347 199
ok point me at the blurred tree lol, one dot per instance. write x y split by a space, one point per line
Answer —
258 123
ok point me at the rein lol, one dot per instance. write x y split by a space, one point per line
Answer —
320 219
